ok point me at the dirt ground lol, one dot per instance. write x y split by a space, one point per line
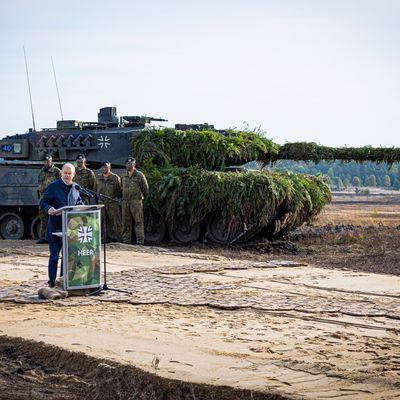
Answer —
313 316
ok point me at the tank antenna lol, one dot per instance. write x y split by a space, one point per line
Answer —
29 88
58 93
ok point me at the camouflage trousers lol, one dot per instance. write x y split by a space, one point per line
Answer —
112 212
43 223
132 214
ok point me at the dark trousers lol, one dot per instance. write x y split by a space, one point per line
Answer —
55 248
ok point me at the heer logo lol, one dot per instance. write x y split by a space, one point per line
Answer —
85 234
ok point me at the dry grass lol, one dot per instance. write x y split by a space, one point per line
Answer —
362 211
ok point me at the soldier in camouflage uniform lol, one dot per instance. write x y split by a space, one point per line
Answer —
47 174
84 177
134 190
109 184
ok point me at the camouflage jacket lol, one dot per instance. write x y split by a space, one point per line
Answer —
85 178
134 187
46 176
110 186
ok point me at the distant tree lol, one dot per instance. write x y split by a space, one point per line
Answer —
346 182
330 173
394 169
386 181
339 184
371 181
356 181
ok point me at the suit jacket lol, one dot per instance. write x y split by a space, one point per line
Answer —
58 195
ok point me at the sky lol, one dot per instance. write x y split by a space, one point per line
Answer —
326 71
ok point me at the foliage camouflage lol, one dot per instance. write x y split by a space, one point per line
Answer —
240 197
208 149
212 150
303 151
182 188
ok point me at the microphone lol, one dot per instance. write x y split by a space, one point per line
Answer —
85 192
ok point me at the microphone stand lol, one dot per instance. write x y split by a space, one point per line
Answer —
97 195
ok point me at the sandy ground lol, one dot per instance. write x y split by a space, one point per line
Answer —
263 323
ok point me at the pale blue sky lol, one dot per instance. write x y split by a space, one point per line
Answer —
314 70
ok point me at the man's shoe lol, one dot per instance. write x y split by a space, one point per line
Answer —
140 242
52 284
41 241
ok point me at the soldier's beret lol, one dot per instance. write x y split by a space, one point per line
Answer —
105 163
130 160
81 157
48 157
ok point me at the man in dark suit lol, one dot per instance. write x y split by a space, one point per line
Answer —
60 193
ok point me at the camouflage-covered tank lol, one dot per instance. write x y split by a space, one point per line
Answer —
197 189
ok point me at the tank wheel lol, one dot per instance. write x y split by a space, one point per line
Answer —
218 231
154 230
35 228
182 232
11 227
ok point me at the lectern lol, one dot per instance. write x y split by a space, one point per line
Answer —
81 251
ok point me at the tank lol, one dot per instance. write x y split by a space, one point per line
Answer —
22 155
199 189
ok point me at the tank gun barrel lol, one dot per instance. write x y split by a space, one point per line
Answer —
137 118
157 119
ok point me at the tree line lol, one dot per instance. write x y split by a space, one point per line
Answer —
344 174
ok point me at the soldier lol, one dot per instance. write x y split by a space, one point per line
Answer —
134 190
47 174
84 177
109 184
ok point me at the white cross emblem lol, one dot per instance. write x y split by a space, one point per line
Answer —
85 234
104 141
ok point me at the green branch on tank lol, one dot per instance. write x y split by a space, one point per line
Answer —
208 149
308 151
193 193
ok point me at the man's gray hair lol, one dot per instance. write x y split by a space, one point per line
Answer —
72 166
